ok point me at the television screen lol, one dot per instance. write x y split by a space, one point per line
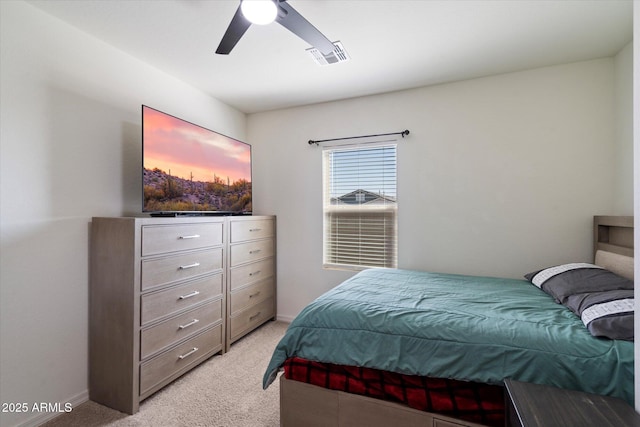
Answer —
191 169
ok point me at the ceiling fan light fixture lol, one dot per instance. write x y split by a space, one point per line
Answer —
260 12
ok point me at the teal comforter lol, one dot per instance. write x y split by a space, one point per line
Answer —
450 326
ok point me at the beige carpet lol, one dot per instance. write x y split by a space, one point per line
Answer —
224 391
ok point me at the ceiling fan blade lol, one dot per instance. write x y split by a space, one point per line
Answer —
238 26
299 26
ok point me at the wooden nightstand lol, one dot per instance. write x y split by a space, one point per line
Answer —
533 405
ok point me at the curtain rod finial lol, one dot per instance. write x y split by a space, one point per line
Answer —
405 133
311 142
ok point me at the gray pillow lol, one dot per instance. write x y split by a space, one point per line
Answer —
602 299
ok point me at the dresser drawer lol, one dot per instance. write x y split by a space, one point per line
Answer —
251 295
250 273
160 271
159 239
173 300
173 361
242 231
251 317
164 334
251 251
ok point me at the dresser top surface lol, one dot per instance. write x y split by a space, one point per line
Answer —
540 405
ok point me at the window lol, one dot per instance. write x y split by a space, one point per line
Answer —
360 207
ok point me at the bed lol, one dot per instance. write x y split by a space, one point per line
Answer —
357 354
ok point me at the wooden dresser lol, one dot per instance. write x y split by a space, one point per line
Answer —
251 291
159 298
535 405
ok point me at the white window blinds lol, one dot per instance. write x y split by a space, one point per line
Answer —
360 207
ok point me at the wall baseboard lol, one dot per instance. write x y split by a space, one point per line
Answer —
42 417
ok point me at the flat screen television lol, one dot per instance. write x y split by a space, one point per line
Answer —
192 170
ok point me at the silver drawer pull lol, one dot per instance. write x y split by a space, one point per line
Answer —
255 251
184 267
254 316
193 322
255 273
192 294
254 295
189 353
193 236
255 229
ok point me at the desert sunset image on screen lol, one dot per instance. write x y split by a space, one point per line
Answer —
188 168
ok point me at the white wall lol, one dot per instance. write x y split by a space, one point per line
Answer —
500 175
70 150
623 191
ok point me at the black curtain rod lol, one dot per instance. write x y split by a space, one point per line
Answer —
317 142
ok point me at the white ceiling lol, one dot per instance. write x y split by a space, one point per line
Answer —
393 44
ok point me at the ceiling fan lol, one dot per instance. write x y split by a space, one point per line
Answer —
263 12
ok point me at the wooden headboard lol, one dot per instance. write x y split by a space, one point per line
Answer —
613 244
